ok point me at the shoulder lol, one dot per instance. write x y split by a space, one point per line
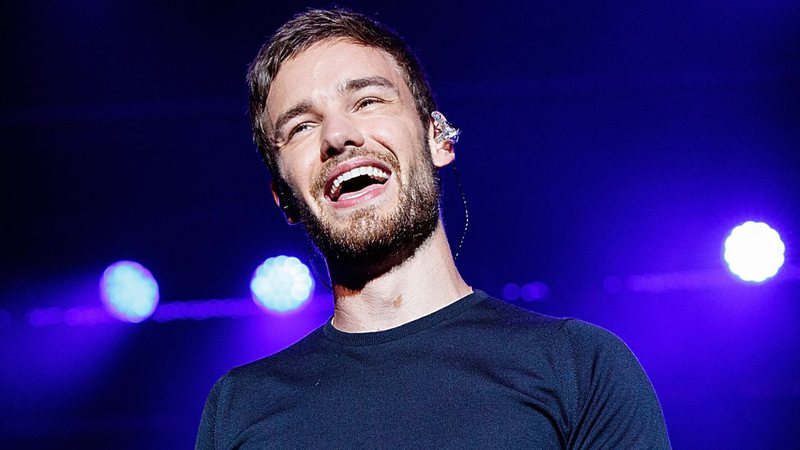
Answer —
280 364
576 348
506 330
247 393
271 377
504 314
591 341
573 349
608 399
595 357
571 335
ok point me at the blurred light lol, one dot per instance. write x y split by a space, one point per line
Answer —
86 316
530 292
281 284
535 291
205 309
41 317
754 251
129 291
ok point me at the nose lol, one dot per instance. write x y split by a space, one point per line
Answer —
338 133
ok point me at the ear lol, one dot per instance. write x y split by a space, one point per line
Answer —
283 204
442 153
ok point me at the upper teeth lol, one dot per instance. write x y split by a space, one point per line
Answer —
373 172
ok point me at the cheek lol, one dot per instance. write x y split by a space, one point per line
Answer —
300 174
402 139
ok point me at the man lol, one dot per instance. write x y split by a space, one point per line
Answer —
413 357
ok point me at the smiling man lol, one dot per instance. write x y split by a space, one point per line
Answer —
413 357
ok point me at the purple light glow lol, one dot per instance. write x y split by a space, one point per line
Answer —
205 309
42 317
129 291
535 291
86 316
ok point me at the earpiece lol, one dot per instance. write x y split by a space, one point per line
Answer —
445 131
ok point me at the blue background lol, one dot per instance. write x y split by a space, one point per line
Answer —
608 149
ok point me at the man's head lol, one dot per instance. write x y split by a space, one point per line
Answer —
340 110
314 26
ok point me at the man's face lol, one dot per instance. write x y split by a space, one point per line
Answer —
352 151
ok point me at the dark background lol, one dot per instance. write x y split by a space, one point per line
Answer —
608 149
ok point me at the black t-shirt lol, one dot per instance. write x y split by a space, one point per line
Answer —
479 373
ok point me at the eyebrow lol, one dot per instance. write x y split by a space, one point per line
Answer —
361 83
296 110
348 86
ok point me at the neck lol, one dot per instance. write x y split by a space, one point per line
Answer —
423 283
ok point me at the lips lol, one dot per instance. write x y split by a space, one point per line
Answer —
356 178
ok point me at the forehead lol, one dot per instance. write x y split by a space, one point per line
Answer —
320 69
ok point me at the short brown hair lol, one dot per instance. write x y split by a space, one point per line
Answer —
316 25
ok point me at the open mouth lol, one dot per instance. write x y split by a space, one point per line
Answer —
355 182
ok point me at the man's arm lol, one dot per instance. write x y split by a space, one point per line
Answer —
206 435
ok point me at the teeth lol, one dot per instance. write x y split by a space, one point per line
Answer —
373 172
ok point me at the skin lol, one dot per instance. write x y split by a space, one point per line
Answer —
335 116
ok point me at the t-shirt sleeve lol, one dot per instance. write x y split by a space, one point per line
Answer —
206 435
616 406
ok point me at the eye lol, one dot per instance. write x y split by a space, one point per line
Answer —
367 101
298 129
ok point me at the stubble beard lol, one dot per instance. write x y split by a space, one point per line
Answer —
368 237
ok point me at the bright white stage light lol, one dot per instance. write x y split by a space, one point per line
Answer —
129 291
754 252
281 284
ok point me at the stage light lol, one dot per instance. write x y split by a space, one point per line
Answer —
129 291
754 251
281 284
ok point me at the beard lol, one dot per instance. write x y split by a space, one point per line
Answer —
368 236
